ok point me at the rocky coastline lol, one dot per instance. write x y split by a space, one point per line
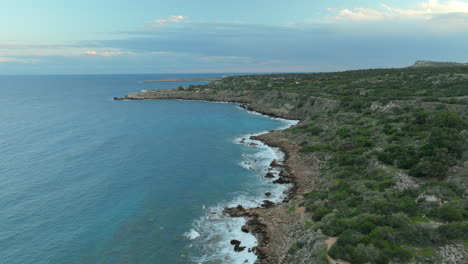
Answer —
279 228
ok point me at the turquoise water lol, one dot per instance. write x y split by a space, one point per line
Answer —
85 179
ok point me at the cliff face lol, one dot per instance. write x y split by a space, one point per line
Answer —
422 64
285 105
373 147
280 230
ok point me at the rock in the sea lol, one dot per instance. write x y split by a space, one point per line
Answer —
245 228
268 204
282 180
235 242
269 175
238 248
236 211
275 163
268 194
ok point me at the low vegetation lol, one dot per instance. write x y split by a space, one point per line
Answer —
393 188
376 218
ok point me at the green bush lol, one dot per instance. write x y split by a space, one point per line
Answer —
309 128
430 168
448 213
344 246
315 148
320 213
448 119
334 227
454 231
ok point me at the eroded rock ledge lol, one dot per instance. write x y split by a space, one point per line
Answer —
269 103
279 228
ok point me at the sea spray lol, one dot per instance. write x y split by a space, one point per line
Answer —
212 233
122 182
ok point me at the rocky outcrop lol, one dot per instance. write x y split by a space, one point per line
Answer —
267 204
453 254
271 224
275 163
237 245
275 226
426 64
238 211
268 103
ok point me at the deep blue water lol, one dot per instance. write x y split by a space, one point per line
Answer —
85 179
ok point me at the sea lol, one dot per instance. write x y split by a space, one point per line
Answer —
85 179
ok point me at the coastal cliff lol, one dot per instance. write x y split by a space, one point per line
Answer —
271 224
272 104
378 163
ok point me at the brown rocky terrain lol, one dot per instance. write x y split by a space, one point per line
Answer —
346 119
280 226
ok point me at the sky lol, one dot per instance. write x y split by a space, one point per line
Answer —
175 36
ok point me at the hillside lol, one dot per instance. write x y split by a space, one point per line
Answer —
437 64
379 161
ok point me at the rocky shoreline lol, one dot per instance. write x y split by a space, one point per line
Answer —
279 228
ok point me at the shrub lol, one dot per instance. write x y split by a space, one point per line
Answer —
448 213
454 231
320 213
448 119
344 246
430 168
334 227
309 128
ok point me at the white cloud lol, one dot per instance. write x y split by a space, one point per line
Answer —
425 10
430 8
360 14
162 22
20 60
107 53
173 19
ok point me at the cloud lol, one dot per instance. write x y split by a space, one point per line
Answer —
425 10
161 22
18 60
430 9
319 46
360 14
171 19
108 53
382 37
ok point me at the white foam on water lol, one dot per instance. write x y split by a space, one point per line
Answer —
214 230
287 122
192 234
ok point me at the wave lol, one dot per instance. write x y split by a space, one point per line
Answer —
192 234
213 232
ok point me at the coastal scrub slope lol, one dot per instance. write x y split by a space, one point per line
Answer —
379 162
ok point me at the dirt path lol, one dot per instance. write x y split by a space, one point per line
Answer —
330 242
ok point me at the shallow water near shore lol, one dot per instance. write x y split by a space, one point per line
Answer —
85 179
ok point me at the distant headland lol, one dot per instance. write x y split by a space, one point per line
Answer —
185 80
378 163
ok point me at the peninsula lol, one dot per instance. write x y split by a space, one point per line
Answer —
185 80
379 163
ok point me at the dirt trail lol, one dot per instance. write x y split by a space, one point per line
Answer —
330 242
